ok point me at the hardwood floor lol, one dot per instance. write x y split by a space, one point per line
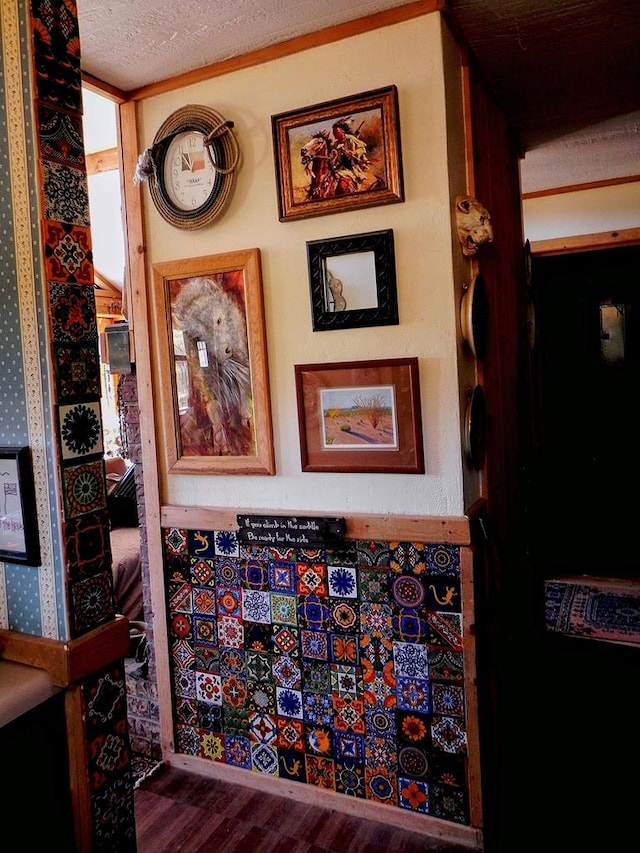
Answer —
181 811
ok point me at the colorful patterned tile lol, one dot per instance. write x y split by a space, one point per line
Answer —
80 429
445 629
201 544
316 675
261 698
407 557
225 543
448 735
313 613
376 620
286 672
344 649
236 721
66 193
449 804
379 687
289 702
376 651
264 759
234 693
232 662
442 559
203 600
309 555
444 594
311 579
177 567
349 747
175 541
381 785
184 683
374 584
77 369
208 688
292 765
68 254
320 772
202 572
282 576
407 591
229 602
286 640
256 606
187 740
207 658
180 625
448 770
262 728
409 625
380 721
413 795
447 699
237 751
346 680
84 488
61 136
212 746
272 553
254 574
413 761
314 644
230 632
412 728
317 708
183 655
92 601
347 555
410 660
413 694
349 714
372 553
86 540
257 636
227 571
342 581
284 608
290 735
318 739
446 665
258 666
179 596
344 615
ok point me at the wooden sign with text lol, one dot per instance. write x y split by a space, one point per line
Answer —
281 531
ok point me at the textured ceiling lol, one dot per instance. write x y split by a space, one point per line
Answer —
566 72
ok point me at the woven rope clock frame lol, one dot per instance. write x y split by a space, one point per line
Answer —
223 151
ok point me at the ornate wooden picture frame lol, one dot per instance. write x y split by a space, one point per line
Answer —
339 155
212 366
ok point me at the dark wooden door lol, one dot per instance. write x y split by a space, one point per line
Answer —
586 473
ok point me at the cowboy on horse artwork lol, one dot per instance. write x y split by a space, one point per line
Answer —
337 162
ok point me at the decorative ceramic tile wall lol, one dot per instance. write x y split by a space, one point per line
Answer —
342 669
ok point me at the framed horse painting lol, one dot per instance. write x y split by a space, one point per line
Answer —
340 155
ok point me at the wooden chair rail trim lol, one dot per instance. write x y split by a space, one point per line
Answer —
453 530
67 662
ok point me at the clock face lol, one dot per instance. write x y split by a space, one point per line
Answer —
189 176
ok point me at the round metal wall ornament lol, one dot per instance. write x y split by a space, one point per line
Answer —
474 316
191 166
475 428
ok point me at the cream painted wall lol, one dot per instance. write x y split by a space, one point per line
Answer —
592 211
409 55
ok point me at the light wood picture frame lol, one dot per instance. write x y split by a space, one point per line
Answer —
212 366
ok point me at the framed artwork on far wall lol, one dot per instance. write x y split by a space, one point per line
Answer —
212 366
339 155
19 538
360 416
353 281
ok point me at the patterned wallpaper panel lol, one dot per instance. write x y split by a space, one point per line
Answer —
339 668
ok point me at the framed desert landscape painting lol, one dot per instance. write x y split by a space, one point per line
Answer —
339 155
360 416
212 366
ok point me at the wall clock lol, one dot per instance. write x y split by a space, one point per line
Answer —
191 166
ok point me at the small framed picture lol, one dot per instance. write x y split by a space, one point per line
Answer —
19 538
360 416
353 281
338 155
